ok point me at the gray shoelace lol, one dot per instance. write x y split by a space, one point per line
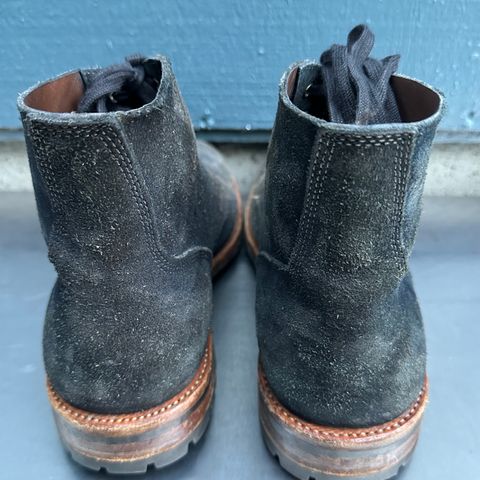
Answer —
356 88
119 87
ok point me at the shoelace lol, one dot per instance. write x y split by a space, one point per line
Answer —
119 87
355 87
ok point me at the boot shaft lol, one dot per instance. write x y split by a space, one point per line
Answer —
338 322
132 214
346 197
114 187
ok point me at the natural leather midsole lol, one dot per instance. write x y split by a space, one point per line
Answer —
339 451
132 436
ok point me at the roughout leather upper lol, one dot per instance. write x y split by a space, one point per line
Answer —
339 328
131 216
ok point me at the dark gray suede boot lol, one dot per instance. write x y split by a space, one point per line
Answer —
136 217
332 225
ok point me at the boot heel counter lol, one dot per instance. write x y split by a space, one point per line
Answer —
126 344
335 357
115 334
353 210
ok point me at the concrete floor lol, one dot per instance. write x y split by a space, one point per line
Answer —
446 267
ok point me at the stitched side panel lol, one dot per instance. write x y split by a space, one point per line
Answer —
353 211
319 168
101 209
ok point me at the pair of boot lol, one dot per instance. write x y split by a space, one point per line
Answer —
138 217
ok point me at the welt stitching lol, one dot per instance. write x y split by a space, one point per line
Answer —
310 430
154 412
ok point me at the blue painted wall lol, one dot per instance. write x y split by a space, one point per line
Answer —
229 55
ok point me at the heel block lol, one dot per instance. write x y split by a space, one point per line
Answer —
309 451
129 443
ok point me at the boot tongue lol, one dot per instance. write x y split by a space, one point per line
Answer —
119 87
355 87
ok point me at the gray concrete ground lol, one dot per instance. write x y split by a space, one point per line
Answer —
454 168
446 267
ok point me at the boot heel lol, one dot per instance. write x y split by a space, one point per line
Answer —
310 451
129 443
